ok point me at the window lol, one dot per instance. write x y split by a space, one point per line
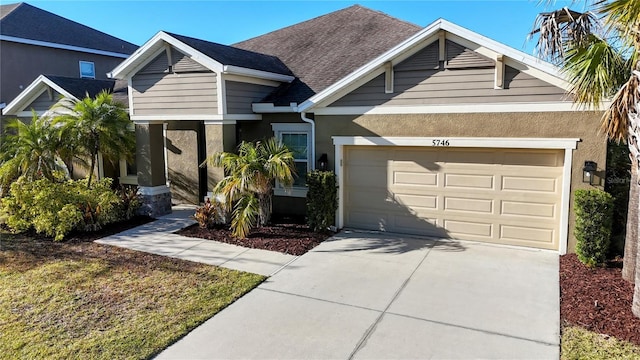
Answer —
297 137
87 70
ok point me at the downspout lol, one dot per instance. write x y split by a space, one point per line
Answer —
303 116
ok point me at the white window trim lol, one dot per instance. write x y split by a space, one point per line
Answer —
127 178
80 63
293 128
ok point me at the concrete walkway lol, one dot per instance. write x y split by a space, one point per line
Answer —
157 237
367 295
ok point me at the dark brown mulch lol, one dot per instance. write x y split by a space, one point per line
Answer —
294 239
77 236
598 299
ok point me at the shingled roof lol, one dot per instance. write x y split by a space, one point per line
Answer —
228 55
29 22
325 49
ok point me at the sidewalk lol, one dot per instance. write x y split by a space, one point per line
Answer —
158 237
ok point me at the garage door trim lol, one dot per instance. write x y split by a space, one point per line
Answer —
566 144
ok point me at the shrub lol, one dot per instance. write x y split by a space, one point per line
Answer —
594 210
210 215
322 199
57 208
130 201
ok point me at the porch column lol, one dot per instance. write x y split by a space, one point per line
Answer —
150 160
218 137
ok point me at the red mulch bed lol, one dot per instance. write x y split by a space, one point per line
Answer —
77 236
598 299
294 239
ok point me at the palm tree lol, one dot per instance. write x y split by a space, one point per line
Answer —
31 150
248 186
96 125
599 54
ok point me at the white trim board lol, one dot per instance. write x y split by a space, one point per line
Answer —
226 117
455 108
566 144
154 190
62 46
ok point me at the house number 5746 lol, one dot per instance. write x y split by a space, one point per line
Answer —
439 142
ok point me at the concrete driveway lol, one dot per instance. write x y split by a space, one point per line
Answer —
367 295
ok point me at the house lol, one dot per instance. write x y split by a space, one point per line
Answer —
35 42
436 131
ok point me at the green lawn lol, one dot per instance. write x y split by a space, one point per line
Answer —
581 344
90 301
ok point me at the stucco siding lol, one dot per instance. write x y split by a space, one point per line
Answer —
175 94
183 161
241 95
452 86
582 125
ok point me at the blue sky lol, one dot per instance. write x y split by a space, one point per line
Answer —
226 22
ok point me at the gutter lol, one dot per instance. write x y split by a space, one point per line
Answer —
303 116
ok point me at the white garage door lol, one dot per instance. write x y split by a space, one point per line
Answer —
506 196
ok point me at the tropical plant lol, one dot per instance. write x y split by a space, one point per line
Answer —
248 185
33 150
599 53
594 215
96 125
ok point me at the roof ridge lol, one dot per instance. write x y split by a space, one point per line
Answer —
385 14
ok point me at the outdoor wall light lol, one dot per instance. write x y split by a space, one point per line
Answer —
323 162
588 171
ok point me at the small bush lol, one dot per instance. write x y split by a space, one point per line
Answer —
130 201
210 215
322 199
57 208
594 210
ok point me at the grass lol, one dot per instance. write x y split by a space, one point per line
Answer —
90 301
581 344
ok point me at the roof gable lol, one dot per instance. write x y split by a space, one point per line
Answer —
460 36
25 22
74 88
325 49
215 57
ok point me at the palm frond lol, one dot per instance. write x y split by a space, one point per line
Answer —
615 121
244 215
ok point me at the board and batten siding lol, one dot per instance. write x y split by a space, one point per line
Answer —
241 95
44 102
466 77
175 94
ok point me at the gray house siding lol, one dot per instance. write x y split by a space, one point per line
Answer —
175 94
21 64
183 88
448 86
241 95
465 77
44 102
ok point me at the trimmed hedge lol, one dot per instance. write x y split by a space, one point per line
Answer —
594 218
322 199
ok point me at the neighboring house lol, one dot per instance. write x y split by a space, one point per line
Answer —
436 131
46 90
34 42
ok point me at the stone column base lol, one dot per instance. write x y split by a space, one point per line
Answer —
156 201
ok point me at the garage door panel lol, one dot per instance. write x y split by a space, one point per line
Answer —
493 195
415 178
484 206
528 234
519 183
528 209
466 181
476 229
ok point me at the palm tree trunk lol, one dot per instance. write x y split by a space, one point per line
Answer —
631 239
93 166
634 149
265 209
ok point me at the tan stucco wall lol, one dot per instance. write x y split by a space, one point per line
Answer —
582 125
182 161
218 138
